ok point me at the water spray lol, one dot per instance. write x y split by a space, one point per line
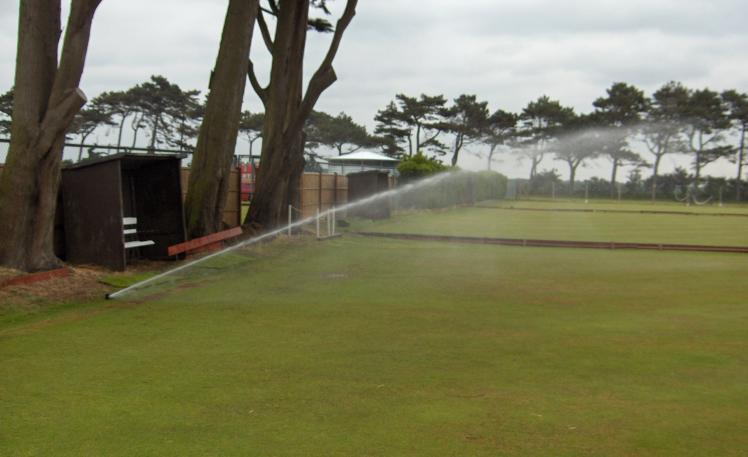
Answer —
251 241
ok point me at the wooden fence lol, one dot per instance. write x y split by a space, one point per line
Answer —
232 212
319 191
322 191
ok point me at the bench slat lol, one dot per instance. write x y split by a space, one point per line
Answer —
136 244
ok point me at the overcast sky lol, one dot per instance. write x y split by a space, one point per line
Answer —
507 53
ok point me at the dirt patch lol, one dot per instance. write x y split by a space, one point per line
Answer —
9 273
82 284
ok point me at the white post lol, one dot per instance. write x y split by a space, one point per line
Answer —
328 225
586 192
333 220
317 223
553 190
289 219
619 195
720 196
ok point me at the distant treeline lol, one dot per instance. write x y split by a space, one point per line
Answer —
676 119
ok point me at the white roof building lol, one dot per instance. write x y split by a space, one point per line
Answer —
362 161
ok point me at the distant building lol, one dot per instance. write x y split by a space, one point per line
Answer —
362 161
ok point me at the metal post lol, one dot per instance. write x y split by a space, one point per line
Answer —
333 220
329 226
317 223
289 219
586 192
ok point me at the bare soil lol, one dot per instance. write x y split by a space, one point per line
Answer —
81 285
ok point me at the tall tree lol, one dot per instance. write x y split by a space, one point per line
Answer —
335 133
186 116
620 113
418 121
500 129
208 186
737 104
392 131
250 125
542 120
707 120
286 106
663 127
159 100
6 112
46 99
581 142
119 104
466 120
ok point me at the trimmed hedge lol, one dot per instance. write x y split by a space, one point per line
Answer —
465 187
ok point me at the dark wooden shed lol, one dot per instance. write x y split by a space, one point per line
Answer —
98 194
363 185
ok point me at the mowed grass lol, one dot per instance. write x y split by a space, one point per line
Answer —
575 226
361 346
624 205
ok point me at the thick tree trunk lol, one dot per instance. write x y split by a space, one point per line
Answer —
208 186
286 111
281 146
46 100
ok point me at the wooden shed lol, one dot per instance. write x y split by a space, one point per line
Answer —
97 196
363 185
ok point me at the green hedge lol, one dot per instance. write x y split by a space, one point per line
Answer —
465 187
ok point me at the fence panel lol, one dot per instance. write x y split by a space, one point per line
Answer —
232 212
322 191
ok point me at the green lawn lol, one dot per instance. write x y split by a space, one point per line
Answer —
624 205
576 226
378 347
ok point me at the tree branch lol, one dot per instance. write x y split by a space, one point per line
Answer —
57 119
265 33
274 7
262 93
325 75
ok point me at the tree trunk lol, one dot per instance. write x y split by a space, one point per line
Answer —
152 147
490 155
286 111
613 178
654 170
458 145
208 186
572 175
46 100
119 136
740 164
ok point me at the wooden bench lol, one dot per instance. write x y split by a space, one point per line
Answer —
208 243
127 221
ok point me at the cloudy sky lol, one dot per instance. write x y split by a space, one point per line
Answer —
507 53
